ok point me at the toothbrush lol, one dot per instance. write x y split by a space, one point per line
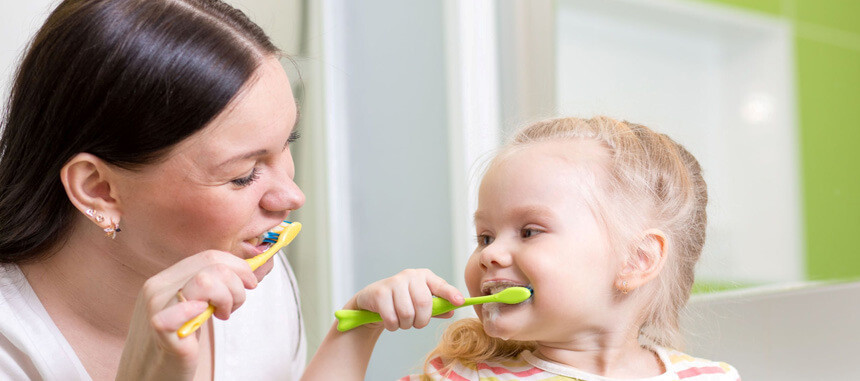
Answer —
349 319
279 237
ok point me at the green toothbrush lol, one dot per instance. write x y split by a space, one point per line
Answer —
349 319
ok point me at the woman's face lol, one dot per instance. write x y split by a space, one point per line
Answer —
222 187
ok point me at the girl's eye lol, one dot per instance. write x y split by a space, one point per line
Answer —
247 180
484 240
293 137
526 233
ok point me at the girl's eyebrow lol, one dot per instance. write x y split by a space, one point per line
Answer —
525 211
532 211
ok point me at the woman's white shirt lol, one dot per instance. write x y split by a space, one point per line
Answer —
262 340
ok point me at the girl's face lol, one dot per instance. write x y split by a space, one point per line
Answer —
222 187
534 228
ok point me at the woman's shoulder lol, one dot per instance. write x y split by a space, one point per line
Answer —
698 369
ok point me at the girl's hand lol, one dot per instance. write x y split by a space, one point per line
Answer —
153 350
406 299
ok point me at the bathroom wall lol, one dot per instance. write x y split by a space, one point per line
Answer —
827 48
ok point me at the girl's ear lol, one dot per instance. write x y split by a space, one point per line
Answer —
90 185
646 262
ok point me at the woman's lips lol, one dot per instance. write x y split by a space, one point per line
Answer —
252 250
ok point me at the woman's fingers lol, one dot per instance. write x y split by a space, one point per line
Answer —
169 320
218 285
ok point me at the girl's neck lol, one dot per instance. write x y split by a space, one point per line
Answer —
86 285
607 355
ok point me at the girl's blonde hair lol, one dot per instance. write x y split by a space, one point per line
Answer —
650 181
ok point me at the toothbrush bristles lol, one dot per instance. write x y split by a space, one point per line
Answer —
272 236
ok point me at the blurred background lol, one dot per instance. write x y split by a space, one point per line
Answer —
403 101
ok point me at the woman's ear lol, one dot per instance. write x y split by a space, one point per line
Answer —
645 263
91 187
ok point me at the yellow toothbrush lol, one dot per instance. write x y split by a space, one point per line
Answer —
279 237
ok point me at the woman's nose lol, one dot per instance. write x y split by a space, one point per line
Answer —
283 194
495 255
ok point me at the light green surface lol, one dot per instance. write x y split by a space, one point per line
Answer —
773 7
827 48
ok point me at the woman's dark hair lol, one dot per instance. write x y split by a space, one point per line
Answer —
124 80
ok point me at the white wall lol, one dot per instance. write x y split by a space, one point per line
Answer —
19 21
792 332
391 59
720 83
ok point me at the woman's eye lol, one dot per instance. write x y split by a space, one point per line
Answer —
484 240
247 180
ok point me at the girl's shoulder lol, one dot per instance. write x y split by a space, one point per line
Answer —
697 369
527 367
513 369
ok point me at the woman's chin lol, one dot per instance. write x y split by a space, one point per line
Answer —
264 269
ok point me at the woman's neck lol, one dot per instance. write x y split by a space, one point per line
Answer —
86 284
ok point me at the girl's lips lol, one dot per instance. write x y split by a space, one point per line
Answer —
493 286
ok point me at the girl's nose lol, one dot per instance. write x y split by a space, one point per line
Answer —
495 255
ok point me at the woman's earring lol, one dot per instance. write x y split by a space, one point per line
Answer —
111 231
624 289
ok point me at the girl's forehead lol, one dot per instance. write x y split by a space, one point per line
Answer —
549 175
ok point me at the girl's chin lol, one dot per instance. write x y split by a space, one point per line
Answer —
498 324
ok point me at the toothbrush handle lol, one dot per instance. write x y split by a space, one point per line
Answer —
349 319
284 239
190 326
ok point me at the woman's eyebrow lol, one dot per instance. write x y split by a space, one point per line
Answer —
262 152
244 156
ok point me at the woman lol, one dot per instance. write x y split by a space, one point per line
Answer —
146 146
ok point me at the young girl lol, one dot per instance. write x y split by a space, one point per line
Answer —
605 221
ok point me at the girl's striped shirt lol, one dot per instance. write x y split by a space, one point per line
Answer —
528 367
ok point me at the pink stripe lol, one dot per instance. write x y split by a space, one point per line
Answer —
692 372
438 364
499 370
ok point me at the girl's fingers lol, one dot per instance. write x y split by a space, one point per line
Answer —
422 300
446 315
384 305
403 306
441 288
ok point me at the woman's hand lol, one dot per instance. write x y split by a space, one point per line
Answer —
406 299
153 350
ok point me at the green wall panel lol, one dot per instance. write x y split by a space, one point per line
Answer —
827 48
838 14
773 7
829 96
